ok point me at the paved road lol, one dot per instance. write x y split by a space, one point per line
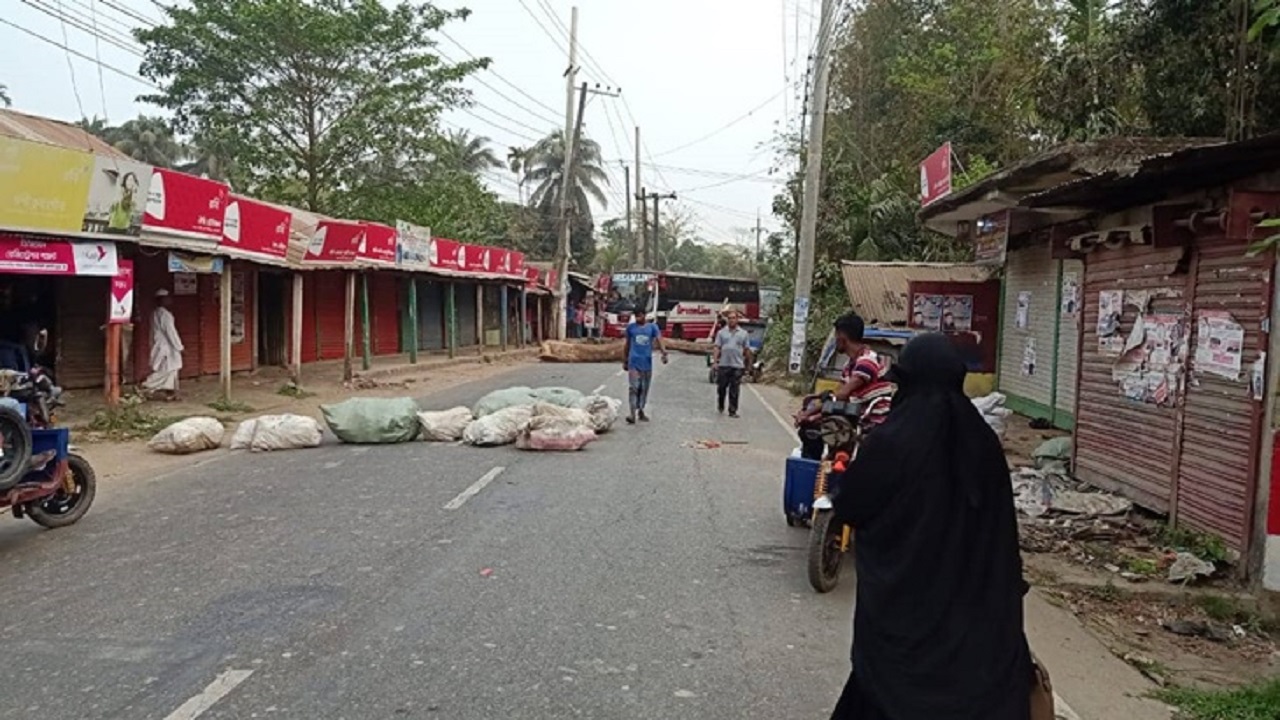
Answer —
640 578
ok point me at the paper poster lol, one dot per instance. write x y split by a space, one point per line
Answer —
1110 306
927 312
1029 357
1070 294
1219 344
184 283
1023 316
1152 365
1257 376
121 311
237 307
957 313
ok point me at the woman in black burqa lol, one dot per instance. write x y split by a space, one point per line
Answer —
937 630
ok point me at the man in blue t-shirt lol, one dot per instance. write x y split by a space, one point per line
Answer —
638 362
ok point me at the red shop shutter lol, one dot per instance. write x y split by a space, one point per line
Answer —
384 313
330 316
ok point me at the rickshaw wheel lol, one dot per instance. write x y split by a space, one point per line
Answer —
824 552
66 508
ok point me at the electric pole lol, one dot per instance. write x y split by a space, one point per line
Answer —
631 238
756 264
812 182
657 227
562 253
642 239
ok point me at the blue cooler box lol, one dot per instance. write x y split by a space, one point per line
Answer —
797 489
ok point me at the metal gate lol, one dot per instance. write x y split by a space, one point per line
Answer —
431 319
81 344
465 297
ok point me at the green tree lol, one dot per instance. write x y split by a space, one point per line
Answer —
468 153
147 139
305 94
5 100
544 169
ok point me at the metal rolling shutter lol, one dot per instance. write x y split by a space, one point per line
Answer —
1030 272
81 344
1221 420
431 319
310 333
1124 445
465 297
330 313
384 312
210 324
1069 340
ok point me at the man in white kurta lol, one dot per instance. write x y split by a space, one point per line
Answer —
166 349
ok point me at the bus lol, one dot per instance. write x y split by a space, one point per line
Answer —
685 305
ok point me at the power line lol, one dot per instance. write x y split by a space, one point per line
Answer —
545 31
504 80
61 46
97 55
63 19
726 126
145 20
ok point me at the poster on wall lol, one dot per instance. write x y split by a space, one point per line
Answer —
117 196
1070 294
121 311
926 313
1023 317
237 307
1152 366
184 283
957 313
1257 376
991 239
1029 357
1219 344
1110 306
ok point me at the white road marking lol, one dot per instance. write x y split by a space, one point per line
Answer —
1062 709
475 488
597 390
788 426
213 692
620 373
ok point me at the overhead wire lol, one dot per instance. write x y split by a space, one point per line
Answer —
59 13
539 114
726 126
64 46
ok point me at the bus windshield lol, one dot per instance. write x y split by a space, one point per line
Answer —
628 291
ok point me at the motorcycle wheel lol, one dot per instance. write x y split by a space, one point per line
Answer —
15 435
824 552
63 508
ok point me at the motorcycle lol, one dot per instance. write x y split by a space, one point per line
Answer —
41 474
842 428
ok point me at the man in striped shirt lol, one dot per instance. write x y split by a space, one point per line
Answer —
863 379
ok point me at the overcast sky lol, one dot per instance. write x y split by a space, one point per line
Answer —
707 81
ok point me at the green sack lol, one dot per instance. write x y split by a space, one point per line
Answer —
503 399
369 421
562 396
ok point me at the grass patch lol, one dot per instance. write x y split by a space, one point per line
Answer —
1108 593
292 390
1203 546
224 405
1255 702
1145 567
129 420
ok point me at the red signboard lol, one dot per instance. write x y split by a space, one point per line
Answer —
335 241
254 228
122 295
22 256
379 244
517 263
445 254
477 258
935 175
531 276
185 205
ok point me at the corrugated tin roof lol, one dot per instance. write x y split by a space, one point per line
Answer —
878 290
53 132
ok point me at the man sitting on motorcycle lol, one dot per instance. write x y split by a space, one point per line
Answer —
862 379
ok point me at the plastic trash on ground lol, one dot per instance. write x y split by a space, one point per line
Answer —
554 432
373 420
1054 455
277 432
445 425
188 436
498 428
502 399
603 411
993 411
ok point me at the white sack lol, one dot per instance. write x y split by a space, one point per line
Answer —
243 437
285 432
603 411
499 428
573 416
547 432
188 436
445 425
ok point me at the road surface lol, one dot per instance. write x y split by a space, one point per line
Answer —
640 578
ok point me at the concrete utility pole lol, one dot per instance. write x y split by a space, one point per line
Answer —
812 184
657 227
631 238
756 262
642 240
562 253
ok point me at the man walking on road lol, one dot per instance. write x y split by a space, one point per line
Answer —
638 362
730 356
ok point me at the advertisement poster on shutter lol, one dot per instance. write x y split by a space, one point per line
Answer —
926 312
1022 319
1029 357
1110 306
1151 368
237 307
121 311
117 196
1070 294
957 313
1219 344
185 283
991 239
42 187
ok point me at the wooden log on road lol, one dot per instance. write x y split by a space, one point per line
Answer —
580 352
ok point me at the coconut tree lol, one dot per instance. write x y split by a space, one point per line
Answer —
149 140
515 163
468 153
544 170
5 100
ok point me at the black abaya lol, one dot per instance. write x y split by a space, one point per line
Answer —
938 623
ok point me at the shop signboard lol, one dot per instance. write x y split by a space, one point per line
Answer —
256 229
477 258
446 254
186 206
335 241
24 256
515 263
413 247
935 175
117 196
43 188
122 294
378 247
531 276
991 239
188 263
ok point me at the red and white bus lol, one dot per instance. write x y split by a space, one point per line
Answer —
685 305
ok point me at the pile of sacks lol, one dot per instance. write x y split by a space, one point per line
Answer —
534 419
260 434
993 411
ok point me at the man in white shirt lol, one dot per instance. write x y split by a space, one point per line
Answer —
166 349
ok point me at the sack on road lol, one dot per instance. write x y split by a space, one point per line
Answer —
502 399
602 409
993 411
554 432
562 396
188 436
277 432
444 425
574 416
373 420
499 428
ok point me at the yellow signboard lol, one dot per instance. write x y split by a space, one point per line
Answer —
43 187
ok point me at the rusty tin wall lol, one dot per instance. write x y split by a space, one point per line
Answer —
1221 419
1124 445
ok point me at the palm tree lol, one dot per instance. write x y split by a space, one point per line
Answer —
469 153
544 168
149 140
4 95
515 163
